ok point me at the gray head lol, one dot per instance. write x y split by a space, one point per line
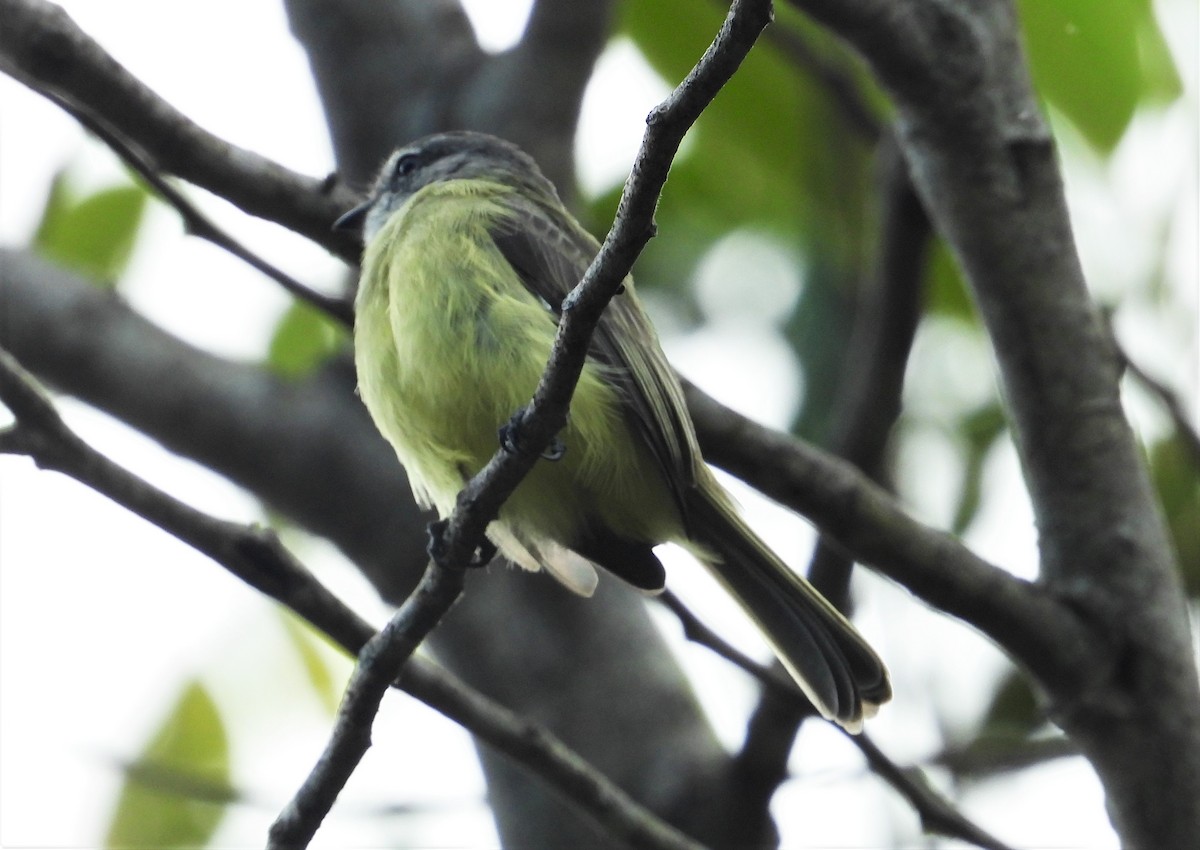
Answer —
459 155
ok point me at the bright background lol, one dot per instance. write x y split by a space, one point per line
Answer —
104 618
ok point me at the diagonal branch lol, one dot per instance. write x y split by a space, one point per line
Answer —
546 416
938 815
984 162
197 223
581 310
255 556
44 49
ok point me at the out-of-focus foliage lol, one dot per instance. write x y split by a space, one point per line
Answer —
772 153
946 287
1178 483
92 234
313 649
1097 62
303 338
175 793
979 430
1014 709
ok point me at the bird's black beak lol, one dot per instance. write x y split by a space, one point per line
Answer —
352 220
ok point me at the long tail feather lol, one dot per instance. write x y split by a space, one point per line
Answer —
833 665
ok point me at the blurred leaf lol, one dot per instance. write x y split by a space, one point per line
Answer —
303 338
1162 81
948 293
1096 61
819 332
310 645
1014 708
94 234
191 743
770 153
979 430
1178 484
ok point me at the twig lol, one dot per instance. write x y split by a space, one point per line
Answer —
1175 407
256 557
991 755
481 499
379 663
197 223
43 48
938 815
581 310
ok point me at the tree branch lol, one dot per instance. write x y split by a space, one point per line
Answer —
938 815
255 556
512 95
379 663
983 160
44 49
485 493
581 309
197 223
870 524
367 57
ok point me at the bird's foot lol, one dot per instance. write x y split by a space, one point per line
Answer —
436 547
510 439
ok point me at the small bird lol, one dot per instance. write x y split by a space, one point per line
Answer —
468 255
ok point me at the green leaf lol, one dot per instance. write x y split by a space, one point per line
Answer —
158 807
947 288
312 647
979 430
93 234
1177 481
771 153
303 339
1014 708
1096 61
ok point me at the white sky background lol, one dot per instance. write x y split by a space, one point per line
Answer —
132 613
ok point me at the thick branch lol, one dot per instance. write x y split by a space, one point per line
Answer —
256 557
984 163
367 58
513 96
862 517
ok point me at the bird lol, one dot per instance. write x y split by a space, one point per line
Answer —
468 254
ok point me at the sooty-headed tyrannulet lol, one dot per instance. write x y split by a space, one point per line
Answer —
469 253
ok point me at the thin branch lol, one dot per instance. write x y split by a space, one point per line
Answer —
872 526
865 408
43 48
938 815
379 663
483 496
1170 400
256 557
581 310
197 223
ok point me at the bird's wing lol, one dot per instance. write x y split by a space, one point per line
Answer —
550 253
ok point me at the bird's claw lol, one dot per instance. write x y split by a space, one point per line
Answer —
510 439
436 546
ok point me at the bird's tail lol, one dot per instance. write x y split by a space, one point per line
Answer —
833 665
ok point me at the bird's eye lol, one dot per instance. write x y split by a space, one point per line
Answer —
405 165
